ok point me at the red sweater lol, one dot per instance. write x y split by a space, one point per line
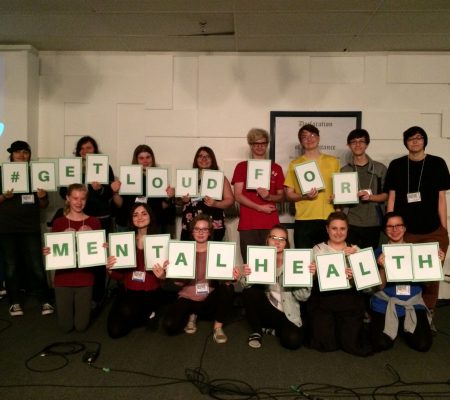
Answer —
74 277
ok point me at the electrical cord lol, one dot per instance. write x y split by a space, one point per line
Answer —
231 389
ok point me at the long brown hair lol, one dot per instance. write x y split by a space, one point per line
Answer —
143 148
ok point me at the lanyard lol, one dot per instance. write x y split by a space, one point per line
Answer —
357 175
420 177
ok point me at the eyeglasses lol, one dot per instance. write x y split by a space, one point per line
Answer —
278 238
261 144
355 142
201 230
394 227
412 138
305 136
204 156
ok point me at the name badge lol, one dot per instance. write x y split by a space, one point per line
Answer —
141 199
202 288
138 276
28 199
414 197
196 199
403 290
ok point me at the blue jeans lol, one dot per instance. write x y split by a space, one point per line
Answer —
22 254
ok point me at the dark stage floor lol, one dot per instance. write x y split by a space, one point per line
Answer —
150 365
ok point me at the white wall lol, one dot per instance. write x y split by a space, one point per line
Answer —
177 102
20 88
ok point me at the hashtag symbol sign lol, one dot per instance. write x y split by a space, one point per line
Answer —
15 176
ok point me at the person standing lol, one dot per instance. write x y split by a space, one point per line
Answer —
206 159
20 238
257 209
312 208
416 186
162 208
365 218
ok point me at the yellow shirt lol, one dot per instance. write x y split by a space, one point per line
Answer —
320 207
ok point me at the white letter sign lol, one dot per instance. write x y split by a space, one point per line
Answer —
221 259
258 174
345 188
212 184
187 182
308 176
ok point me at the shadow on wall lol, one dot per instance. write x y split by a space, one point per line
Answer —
55 84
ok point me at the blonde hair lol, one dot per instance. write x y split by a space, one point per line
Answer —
73 187
255 134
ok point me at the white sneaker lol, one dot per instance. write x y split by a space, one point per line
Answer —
219 336
47 309
15 310
191 326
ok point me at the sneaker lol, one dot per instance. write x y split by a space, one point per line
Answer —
15 310
191 326
269 331
254 340
219 336
47 309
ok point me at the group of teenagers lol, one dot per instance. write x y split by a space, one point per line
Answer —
405 201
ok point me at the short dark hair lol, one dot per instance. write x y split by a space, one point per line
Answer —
412 131
308 127
202 217
84 140
336 215
358 134
389 215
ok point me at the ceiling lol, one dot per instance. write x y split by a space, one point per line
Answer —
227 25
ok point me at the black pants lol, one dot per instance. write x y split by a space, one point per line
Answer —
261 313
131 309
308 233
252 237
364 237
217 306
335 320
421 339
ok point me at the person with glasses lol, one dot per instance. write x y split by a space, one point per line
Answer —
312 208
398 308
200 297
416 186
257 208
274 308
365 218
192 206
